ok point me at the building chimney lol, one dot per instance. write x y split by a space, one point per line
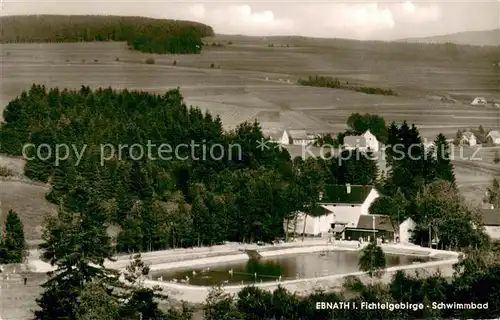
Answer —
321 196
348 188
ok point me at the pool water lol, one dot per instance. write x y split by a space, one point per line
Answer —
286 267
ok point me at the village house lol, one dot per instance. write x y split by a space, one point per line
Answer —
279 136
365 142
479 101
290 137
344 212
493 137
301 137
468 138
491 221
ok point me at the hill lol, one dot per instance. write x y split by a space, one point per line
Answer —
474 38
142 34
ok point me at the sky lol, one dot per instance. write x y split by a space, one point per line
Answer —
368 19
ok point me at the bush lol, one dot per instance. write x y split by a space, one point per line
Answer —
329 82
370 90
150 61
95 60
6 172
212 66
117 59
174 63
229 42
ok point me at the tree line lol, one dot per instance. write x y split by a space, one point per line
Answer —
143 34
329 82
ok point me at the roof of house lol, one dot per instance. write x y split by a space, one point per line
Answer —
381 222
355 141
337 194
494 134
490 217
468 135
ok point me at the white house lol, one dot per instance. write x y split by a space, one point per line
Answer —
301 137
287 137
479 101
364 142
284 138
493 136
468 138
344 211
491 221
338 204
277 135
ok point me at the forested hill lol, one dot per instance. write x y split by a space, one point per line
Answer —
143 34
474 38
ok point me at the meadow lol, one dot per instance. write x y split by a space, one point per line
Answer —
251 81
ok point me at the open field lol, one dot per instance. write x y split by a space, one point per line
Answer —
237 88
17 300
28 200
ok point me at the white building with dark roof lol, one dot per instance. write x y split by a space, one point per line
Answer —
338 203
290 137
343 210
491 222
301 137
365 142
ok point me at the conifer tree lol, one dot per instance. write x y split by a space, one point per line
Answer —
75 243
392 142
372 260
494 194
496 159
444 168
14 244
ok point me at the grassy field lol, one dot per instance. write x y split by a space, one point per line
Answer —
17 301
237 88
28 200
